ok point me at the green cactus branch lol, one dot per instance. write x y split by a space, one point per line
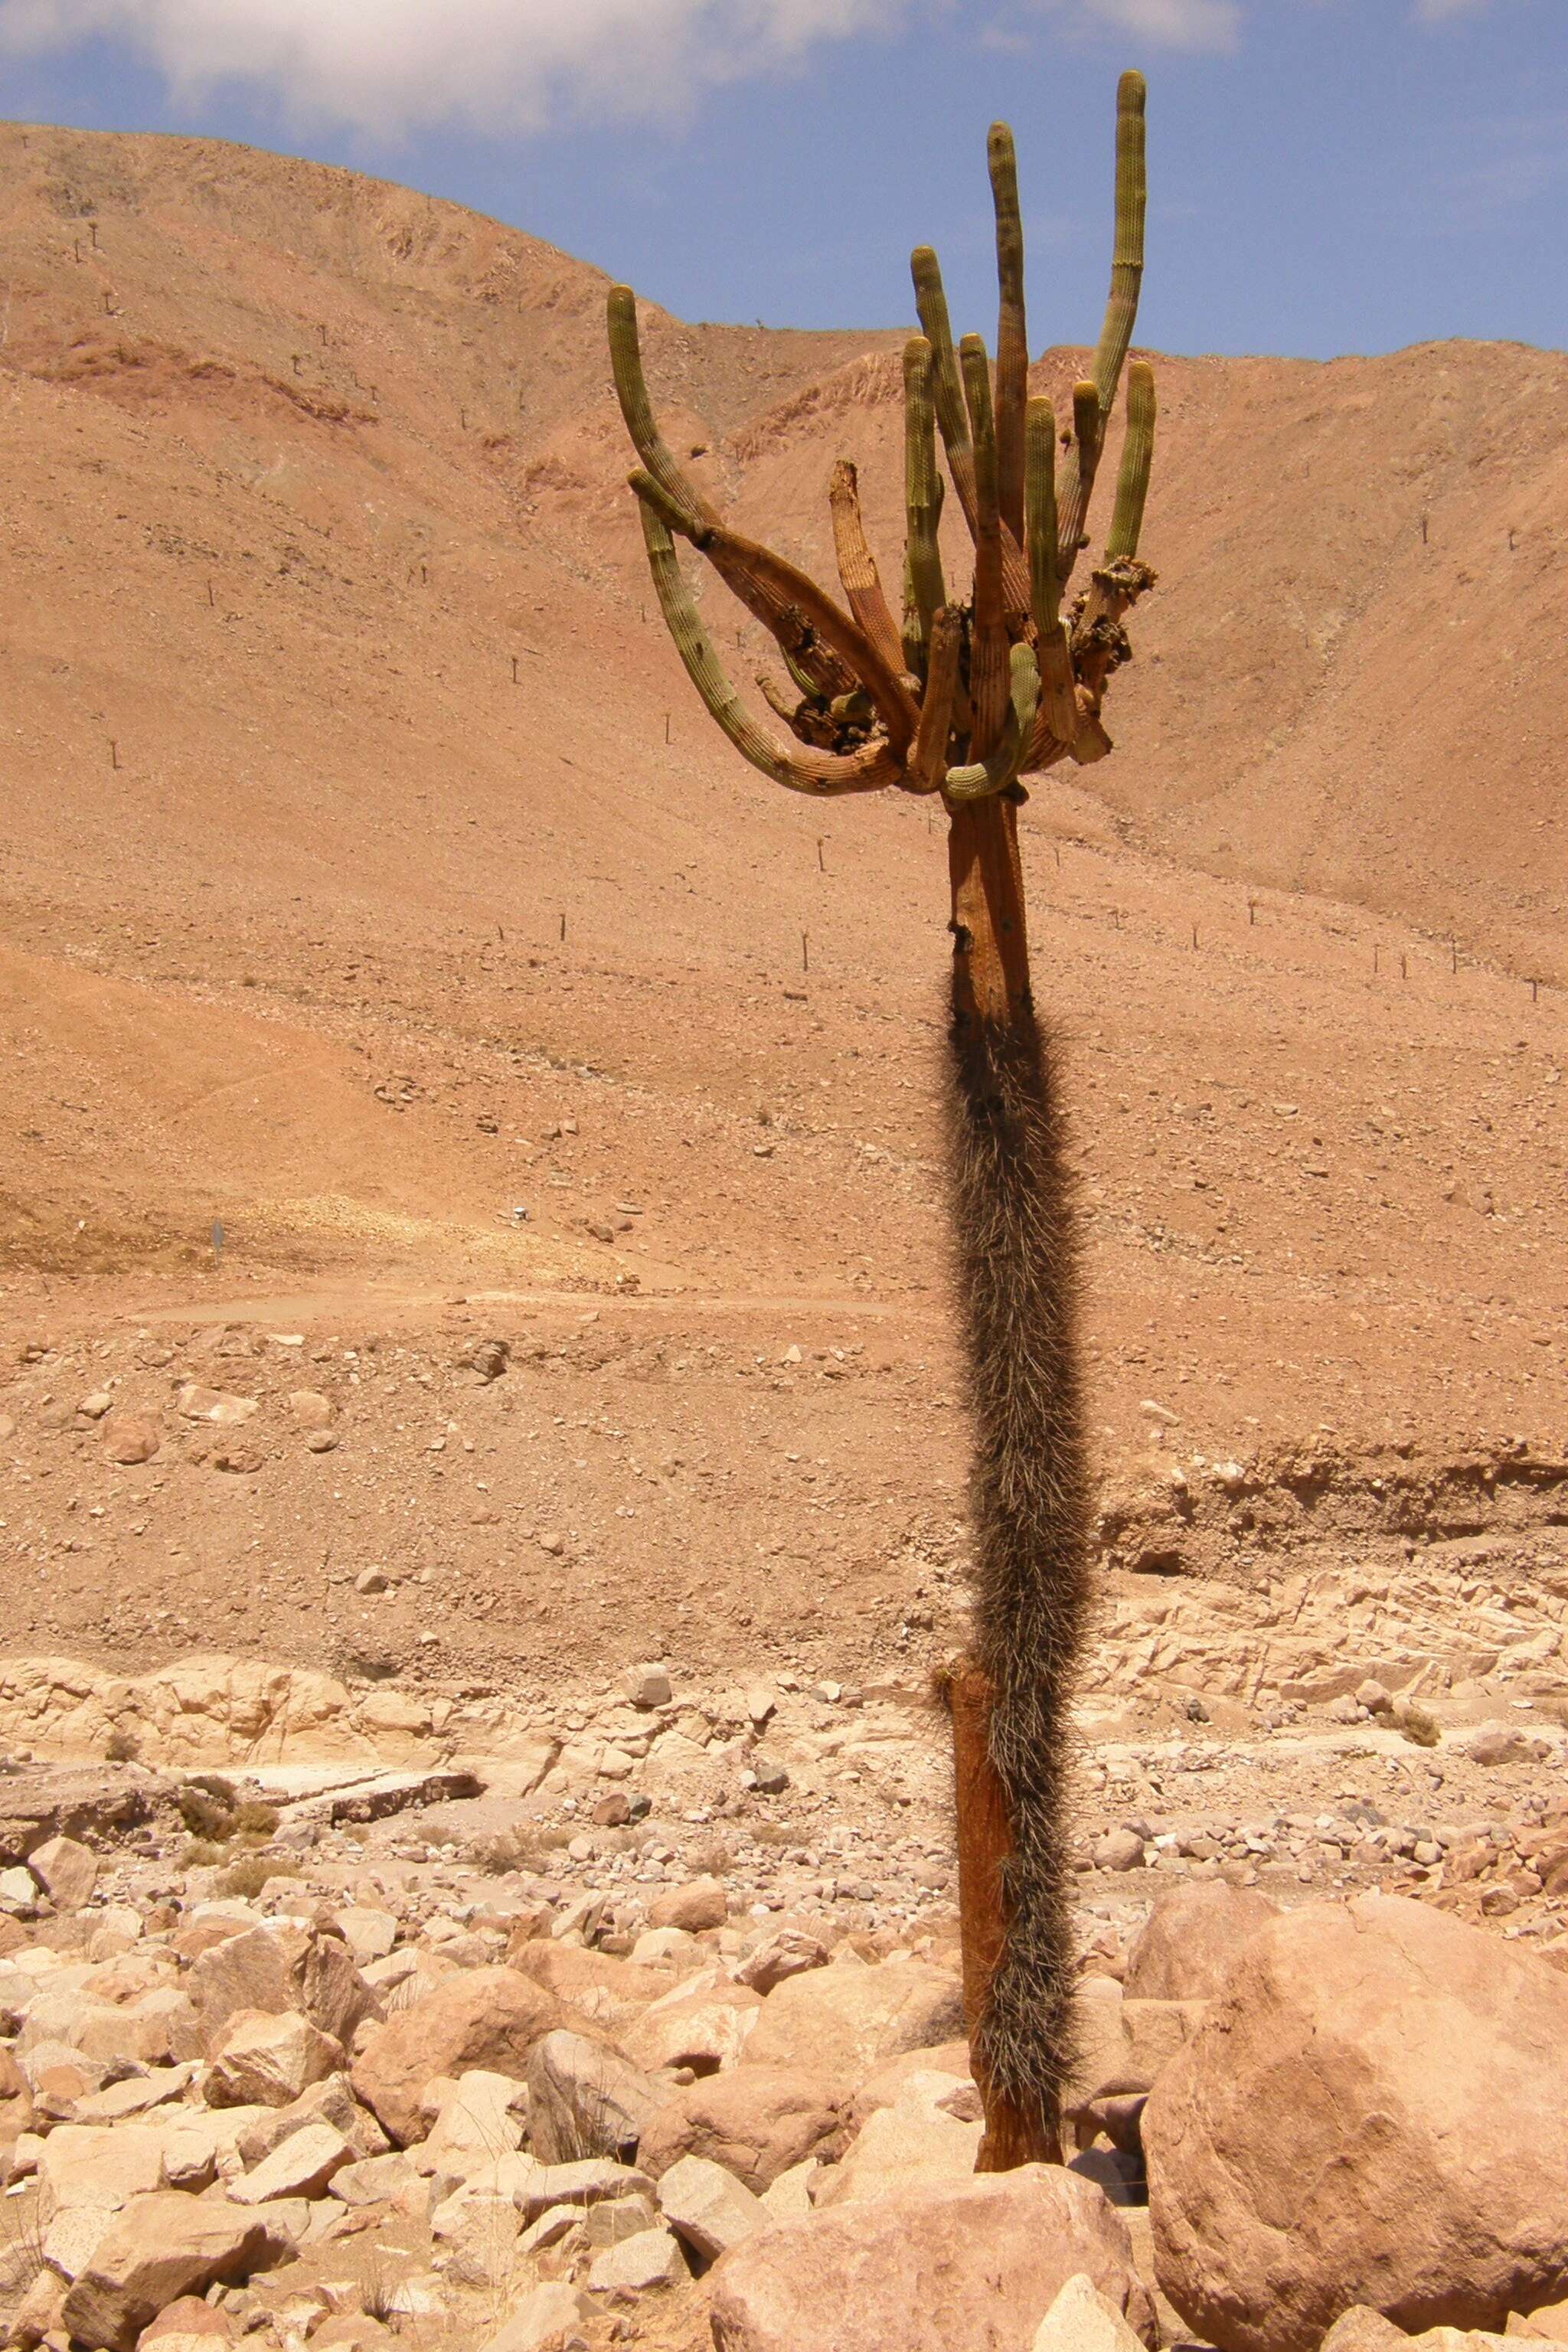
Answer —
947 385
928 760
959 698
981 779
1011 331
1053 652
1120 314
1137 457
927 592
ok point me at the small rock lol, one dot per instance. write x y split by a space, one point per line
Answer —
702 1903
708 2206
484 2017
758 2122
129 1440
94 1407
66 1870
303 2167
651 2258
197 1403
842 2022
930 2270
584 2098
647 1686
787 1953
547 2320
1120 1849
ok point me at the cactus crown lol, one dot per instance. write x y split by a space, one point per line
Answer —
963 698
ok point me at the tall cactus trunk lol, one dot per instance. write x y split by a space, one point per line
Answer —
1015 1260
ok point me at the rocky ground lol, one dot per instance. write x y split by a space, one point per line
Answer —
523 2046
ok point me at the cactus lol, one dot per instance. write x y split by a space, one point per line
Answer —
963 698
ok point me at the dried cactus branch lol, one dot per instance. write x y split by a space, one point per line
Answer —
828 674
745 565
1012 329
858 572
823 774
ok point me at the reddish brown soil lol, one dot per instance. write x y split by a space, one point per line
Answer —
298 467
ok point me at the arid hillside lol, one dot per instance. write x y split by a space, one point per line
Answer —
373 885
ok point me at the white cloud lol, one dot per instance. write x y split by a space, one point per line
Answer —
386 65
1175 23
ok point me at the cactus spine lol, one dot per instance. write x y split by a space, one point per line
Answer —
963 697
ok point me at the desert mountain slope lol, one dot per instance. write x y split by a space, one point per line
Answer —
371 876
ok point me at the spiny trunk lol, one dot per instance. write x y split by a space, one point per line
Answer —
1015 1264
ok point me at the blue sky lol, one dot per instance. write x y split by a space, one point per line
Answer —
1327 175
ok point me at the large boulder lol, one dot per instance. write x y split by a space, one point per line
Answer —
845 2019
971 2266
1184 1948
1371 2114
701 1903
919 2141
278 1968
704 2023
610 1993
757 2122
1081 2319
268 2058
166 2245
584 2100
490 2018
